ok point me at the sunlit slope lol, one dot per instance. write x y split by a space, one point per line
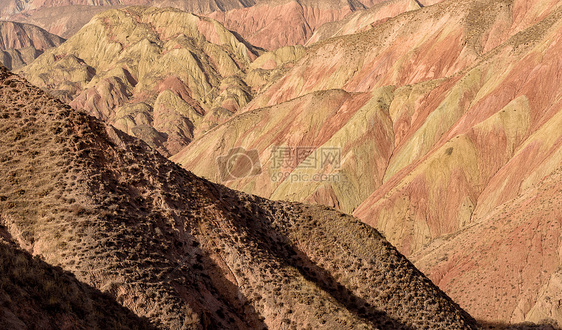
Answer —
459 115
135 66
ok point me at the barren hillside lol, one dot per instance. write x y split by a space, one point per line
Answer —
187 253
158 74
265 23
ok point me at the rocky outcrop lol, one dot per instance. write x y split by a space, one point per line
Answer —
21 43
184 252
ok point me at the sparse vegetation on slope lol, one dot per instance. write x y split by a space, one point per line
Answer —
36 295
185 252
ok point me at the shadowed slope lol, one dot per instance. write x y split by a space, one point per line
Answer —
185 252
35 295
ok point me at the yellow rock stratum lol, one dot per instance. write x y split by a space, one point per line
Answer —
131 67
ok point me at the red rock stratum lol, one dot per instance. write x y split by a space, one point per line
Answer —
444 116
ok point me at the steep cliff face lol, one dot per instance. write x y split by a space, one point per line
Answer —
21 43
184 252
440 116
154 73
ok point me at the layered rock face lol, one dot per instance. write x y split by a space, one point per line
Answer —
66 17
181 251
273 25
21 43
158 74
200 6
63 21
444 118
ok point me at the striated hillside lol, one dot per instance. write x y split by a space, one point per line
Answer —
265 23
63 21
511 257
274 24
158 74
388 67
187 253
441 117
21 43
11 7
